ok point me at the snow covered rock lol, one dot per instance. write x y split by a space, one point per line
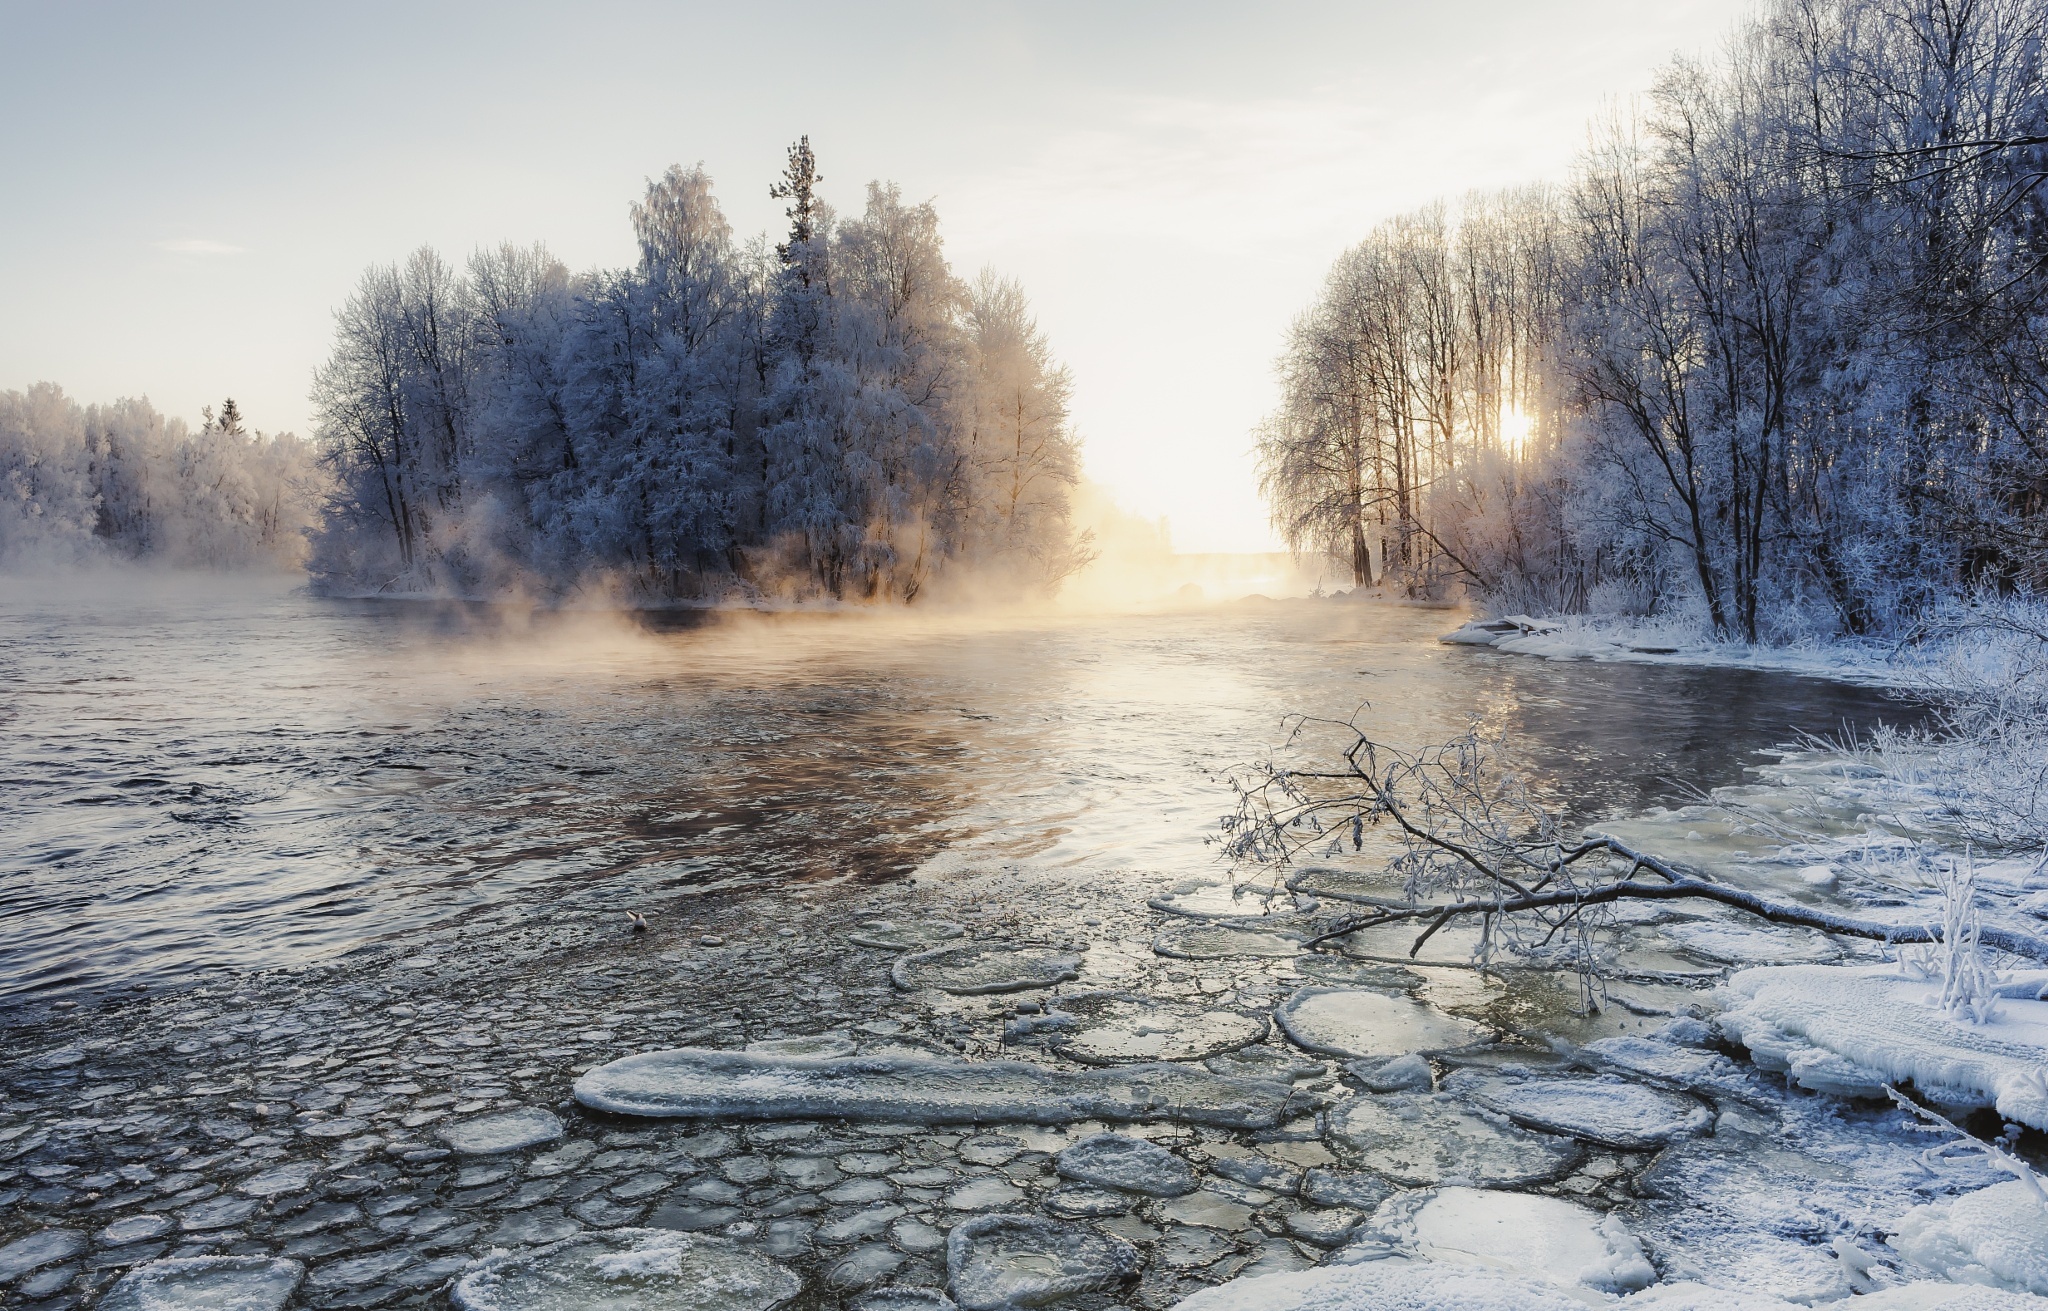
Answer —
628 1270
207 1283
1424 1140
1112 1030
701 1083
1540 1238
529 1126
1996 1236
1361 1022
1223 941
887 935
1849 1030
981 968
1133 1165
997 1262
1609 1112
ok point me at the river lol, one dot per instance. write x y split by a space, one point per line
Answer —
220 775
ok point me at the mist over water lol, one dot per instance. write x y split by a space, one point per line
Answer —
202 776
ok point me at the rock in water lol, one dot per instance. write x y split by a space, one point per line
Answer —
1996 1235
45 1247
998 1262
529 1126
207 1283
1540 1238
1609 1112
701 1083
1421 1140
1224 941
628 1270
1113 1030
889 936
1360 1022
1110 1160
981 968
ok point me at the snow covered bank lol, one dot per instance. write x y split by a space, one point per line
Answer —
1850 1030
1579 637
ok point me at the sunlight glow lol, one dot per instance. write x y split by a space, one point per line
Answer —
1514 429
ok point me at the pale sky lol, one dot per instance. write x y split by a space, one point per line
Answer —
187 191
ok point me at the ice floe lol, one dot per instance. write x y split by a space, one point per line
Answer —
890 936
1390 1285
981 968
1609 1112
628 1270
44 1247
529 1126
1750 944
1224 941
814 1044
1408 1073
207 1283
1112 1030
1850 1030
1109 1160
1420 1139
1667 1063
1207 899
997 1262
1540 1238
1361 1022
1996 1236
699 1082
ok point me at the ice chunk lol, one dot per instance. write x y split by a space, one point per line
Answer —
1360 1022
980 968
1996 1236
1606 1111
1258 1061
1402 1074
1110 1160
628 1270
903 1299
1223 941
998 1262
890 936
1850 1029
529 1126
1535 1237
698 1082
1112 1030
812 1044
1204 899
1421 1139
1667 1063
1750 944
44 1247
207 1283
1391 1285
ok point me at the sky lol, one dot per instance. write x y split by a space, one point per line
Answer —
188 191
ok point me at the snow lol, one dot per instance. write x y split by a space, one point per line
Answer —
1609 1112
1391 1285
1114 1030
207 1283
1423 1140
978 969
625 1270
1361 1022
1927 1295
1132 1165
1849 1030
1580 637
1996 1236
1539 1238
699 1082
529 1126
997 1262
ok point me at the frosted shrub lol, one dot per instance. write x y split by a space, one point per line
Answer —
1969 986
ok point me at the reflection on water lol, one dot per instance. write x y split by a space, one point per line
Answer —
200 776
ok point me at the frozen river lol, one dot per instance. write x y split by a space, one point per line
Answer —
209 776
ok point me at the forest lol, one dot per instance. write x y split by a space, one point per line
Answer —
1774 358
836 415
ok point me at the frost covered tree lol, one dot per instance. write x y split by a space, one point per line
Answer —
1775 357
816 418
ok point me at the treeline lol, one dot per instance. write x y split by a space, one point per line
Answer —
1776 355
833 415
86 483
